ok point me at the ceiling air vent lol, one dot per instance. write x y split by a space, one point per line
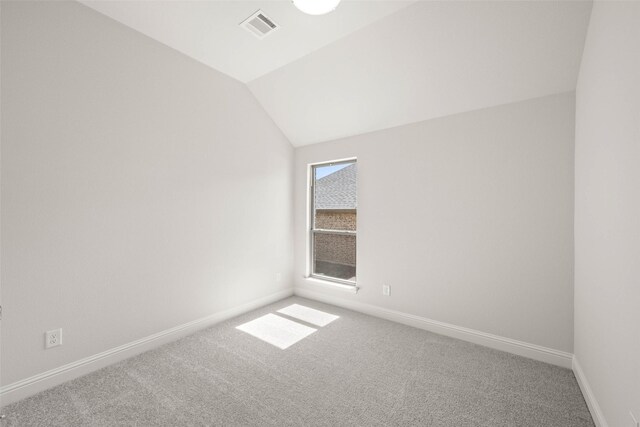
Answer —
259 24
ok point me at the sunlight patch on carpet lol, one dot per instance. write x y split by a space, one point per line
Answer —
276 330
309 315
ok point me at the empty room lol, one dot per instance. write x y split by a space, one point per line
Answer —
320 213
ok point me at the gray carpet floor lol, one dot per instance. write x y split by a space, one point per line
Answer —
356 371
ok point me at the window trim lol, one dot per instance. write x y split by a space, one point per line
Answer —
311 232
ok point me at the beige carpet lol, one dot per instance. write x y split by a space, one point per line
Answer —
356 370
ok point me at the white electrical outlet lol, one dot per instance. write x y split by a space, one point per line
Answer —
53 338
635 420
278 277
386 291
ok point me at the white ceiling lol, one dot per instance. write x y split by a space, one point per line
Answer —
209 32
428 60
371 65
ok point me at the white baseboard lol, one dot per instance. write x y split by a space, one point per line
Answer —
592 403
32 385
532 351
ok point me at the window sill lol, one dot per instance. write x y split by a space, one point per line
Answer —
328 283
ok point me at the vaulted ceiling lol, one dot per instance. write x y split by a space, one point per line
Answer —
375 64
208 30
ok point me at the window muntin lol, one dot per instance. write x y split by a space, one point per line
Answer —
332 235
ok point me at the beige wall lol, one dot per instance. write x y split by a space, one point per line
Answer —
607 204
469 218
131 187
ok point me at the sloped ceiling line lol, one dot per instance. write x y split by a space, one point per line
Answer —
375 64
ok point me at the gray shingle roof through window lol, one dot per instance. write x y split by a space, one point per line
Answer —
337 190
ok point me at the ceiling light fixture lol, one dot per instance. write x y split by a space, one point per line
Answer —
316 7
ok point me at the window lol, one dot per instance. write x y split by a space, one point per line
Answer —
332 234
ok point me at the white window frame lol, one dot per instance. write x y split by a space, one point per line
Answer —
312 231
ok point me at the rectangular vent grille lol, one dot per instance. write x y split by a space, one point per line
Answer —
259 24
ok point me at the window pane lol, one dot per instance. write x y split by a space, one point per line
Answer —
335 197
335 209
334 255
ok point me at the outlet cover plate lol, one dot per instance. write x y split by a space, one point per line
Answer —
53 338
